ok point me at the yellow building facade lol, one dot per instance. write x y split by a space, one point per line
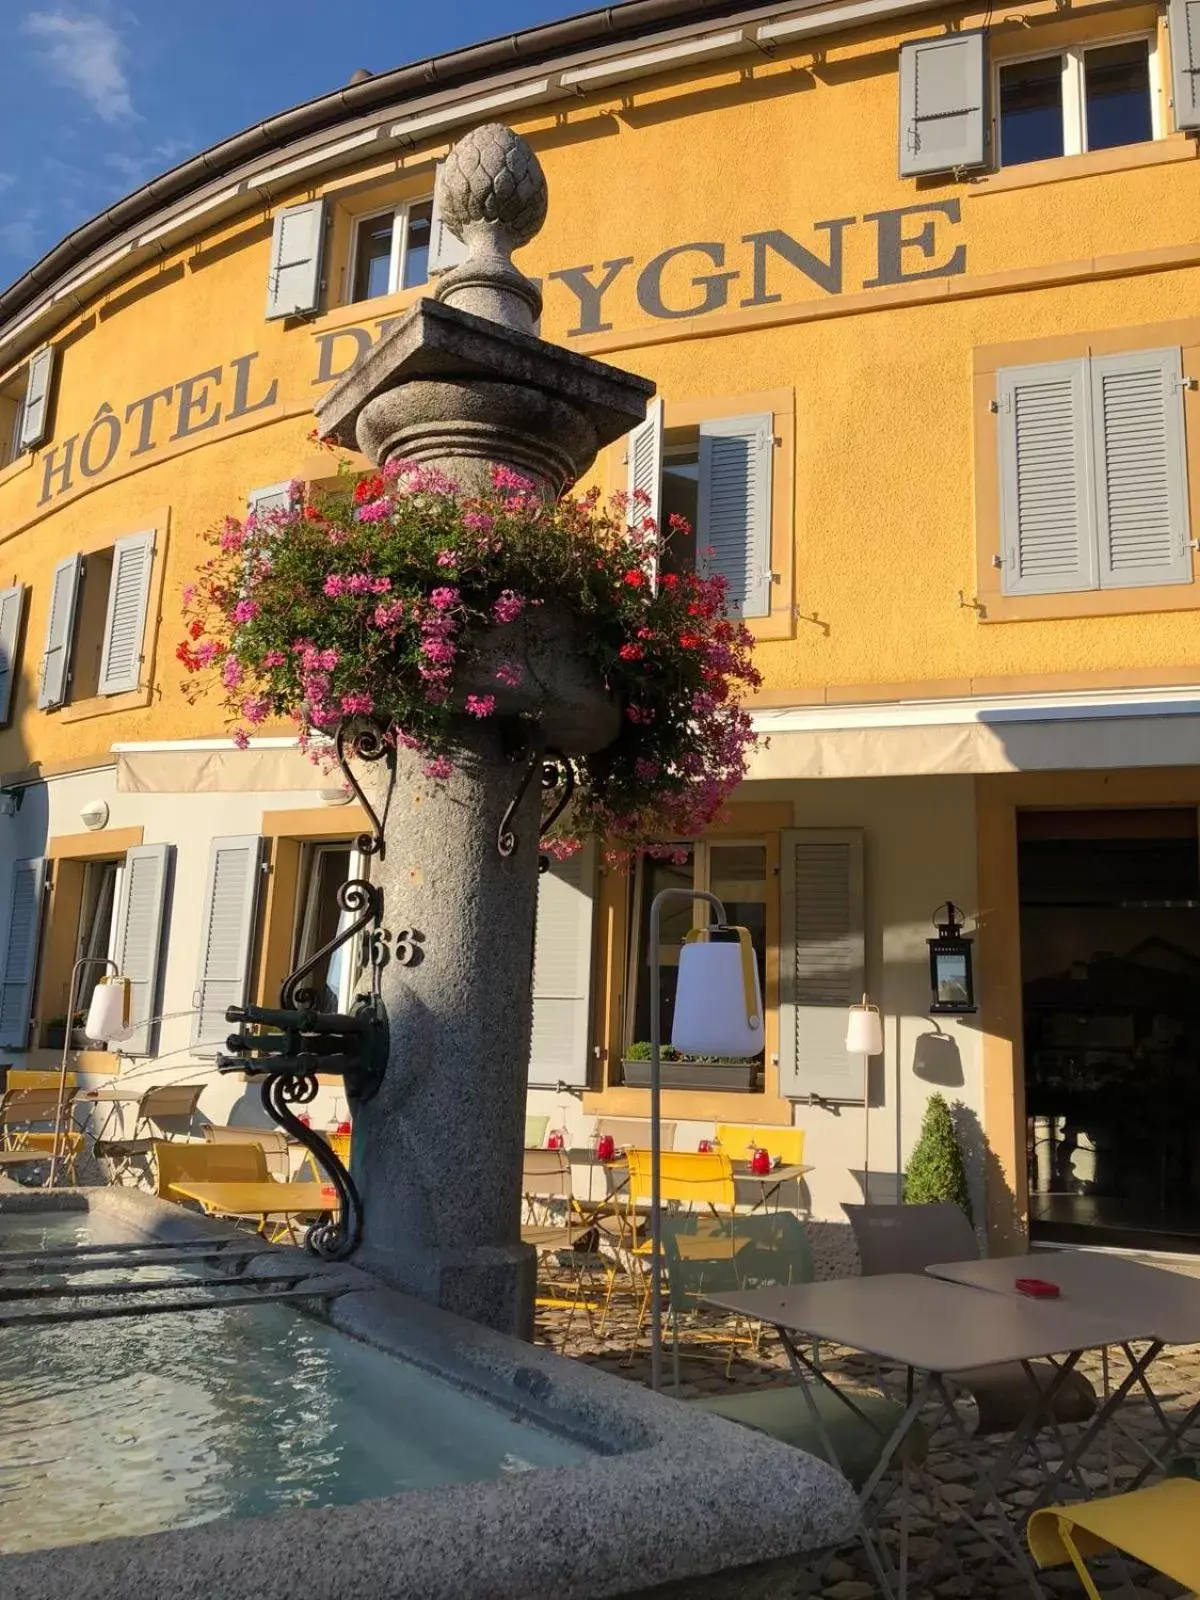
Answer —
928 278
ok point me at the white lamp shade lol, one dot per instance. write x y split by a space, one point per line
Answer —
108 1018
864 1031
718 1002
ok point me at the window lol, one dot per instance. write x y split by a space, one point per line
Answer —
391 251
97 926
12 413
736 873
97 622
1087 98
1093 474
324 869
718 477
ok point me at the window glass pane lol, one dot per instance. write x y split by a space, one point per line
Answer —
681 498
322 918
738 878
416 245
1117 94
1031 113
675 921
95 925
372 257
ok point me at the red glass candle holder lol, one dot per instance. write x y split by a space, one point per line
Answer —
555 1140
606 1147
343 1127
760 1163
705 1147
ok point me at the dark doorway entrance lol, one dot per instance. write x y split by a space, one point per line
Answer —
1110 967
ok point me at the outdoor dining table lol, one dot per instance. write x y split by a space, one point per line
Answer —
770 1183
934 1329
1168 1303
259 1199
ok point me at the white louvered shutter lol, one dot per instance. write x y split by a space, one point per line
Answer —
276 497
822 961
139 938
1142 530
446 249
943 96
733 536
643 470
60 634
227 936
125 625
562 971
1183 24
12 603
20 952
297 245
1047 521
35 414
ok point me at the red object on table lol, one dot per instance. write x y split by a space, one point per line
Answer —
555 1140
343 1127
328 1192
760 1162
705 1147
1038 1288
304 1119
606 1147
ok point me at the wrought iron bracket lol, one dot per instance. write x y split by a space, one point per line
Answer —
557 780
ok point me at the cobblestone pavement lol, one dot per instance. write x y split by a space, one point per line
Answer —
972 1569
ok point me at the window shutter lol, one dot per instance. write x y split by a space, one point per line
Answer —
12 602
139 937
943 95
20 955
1046 499
230 901
822 961
276 497
60 634
446 249
562 971
35 415
125 627
294 284
733 538
1142 531
643 470
1183 24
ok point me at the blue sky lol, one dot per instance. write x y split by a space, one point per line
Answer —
100 95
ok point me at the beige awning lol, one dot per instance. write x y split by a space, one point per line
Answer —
225 771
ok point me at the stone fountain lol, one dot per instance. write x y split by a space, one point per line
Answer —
463 383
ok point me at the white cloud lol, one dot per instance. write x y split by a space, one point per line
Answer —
87 55
6 181
19 237
160 158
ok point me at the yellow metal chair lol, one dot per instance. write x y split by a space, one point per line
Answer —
24 1115
1157 1526
554 1224
29 1078
273 1142
737 1140
688 1180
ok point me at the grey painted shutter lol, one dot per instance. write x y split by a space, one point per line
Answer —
20 954
822 961
733 538
139 937
446 249
12 602
125 627
35 415
1183 24
1142 531
943 95
1047 521
60 633
562 971
294 283
230 901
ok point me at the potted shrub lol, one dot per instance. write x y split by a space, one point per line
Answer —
688 1072
935 1168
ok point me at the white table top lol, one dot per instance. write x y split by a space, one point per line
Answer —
1169 1302
776 1174
112 1096
932 1325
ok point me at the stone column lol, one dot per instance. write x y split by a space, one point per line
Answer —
462 383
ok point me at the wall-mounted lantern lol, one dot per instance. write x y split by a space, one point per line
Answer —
950 974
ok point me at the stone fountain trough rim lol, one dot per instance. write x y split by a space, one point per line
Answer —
671 1494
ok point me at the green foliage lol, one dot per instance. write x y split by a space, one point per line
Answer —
935 1168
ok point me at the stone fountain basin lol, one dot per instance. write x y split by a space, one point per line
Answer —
674 1502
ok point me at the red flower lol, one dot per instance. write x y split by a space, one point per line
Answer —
196 629
669 580
311 514
631 652
690 641
635 578
368 489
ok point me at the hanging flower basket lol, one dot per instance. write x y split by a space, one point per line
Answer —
402 600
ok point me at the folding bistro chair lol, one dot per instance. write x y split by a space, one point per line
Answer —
554 1226
912 1238
24 1116
164 1113
1158 1526
273 1143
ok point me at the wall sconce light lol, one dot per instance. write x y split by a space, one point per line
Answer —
334 797
10 801
950 974
94 815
